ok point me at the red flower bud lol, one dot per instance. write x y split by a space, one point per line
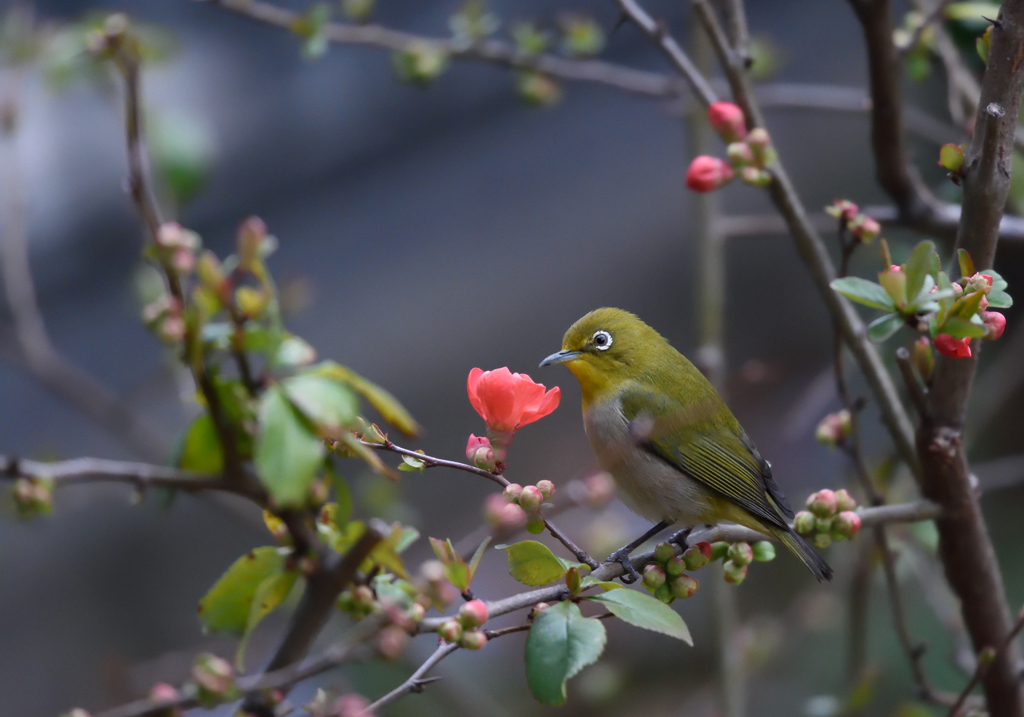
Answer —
823 503
741 554
727 119
450 631
848 524
707 174
473 614
654 577
953 348
995 323
546 488
684 586
734 573
530 498
844 501
739 154
473 639
697 556
804 522
511 492
663 551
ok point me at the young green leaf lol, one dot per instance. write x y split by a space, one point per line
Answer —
342 495
960 328
966 263
386 404
201 451
605 585
645 611
864 292
474 562
407 538
560 644
294 351
923 262
226 606
533 563
884 326
287 453
329 404
411 465
270 593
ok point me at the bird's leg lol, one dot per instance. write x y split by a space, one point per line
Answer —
621 556
679 538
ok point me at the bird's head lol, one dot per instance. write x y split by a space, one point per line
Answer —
607 347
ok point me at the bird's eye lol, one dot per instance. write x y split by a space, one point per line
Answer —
602 340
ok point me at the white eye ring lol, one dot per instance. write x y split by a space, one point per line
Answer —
602 340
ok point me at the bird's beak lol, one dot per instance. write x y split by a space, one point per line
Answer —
560 357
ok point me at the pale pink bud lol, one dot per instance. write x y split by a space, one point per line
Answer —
995 323
502 515
727 119
741 554
391 641
450 631
675 567
473 614
480 453
352 706
663 551
416 613
848 524
511 492
759 138
530 498
600 489
473 639
654 577
844 501
823 503
804 522
684 586
546 488
213 674
708 173
739 154
734 573
537 609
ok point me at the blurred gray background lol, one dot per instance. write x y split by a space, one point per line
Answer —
433 231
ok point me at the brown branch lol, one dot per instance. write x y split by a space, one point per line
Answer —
100 470
983 666
416 681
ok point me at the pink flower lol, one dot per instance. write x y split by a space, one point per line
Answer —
727 119
995 323
708 173
953 348
508 401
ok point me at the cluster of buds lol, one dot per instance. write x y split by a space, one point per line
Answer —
502 515
359 602
165 317
666 577
750 154
530 499
214 679
971 293
860 225
834 428
738 557
32 496
830 515
163 692
951 158
463 629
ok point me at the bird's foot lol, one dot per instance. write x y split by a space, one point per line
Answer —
621 556
679 538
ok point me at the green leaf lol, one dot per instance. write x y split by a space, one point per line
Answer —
386 404
923 262
201 451
605 585
386 554
998 282
560 644
960 328
533 563
287 453
329 404
864 292
407 538
270 593
227 605
411 465
966 263
458 575
998 299
474 562
294 351
645 611
342 495
884 326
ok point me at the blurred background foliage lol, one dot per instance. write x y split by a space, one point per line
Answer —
424 232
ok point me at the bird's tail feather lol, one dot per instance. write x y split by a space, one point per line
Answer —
814 562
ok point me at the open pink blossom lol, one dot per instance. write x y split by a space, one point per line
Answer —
508 401
953 348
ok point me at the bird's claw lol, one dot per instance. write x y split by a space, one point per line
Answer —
622 558
679 538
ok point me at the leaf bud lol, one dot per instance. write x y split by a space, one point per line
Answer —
390 642
473 639
32 496
537 609
995 324
473 613
986 656
983 43
357 10
727 119
664 593
530 498
420 63
823 503
450 631
733 573
684 586
719 549
251 234
822 540
511 492
847 524
804 521
250 301
697 556
654 577
845 501
921 357
664 551
951 157
675 566
741 554
706 174
764 552
535 524
546 488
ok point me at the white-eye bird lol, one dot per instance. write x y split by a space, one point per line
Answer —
675 450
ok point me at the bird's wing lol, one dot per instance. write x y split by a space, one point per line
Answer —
716 454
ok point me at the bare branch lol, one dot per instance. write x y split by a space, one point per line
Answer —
416 681
983 666
101 470
918 394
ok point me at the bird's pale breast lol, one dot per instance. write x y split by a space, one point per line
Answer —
649 486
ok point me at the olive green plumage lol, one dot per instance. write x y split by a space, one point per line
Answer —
667 437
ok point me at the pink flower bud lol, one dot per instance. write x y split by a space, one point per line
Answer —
363 598
654 577
351 706
473 639
980 282
842 209
759 138
684 586
511 492
734 573
727 119
530 498
756 177
741 554
675 567
867 230
390 642
213 674
995 323
163 692
546 488
450 630
707 174
416 613
479 453
953 348
172 329
958 290
823 503
697 556
739 155
600 489
535 524
663 551
501 515
803 523
845 501
834 428
473 614
848 524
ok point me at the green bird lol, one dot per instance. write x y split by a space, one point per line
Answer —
670 442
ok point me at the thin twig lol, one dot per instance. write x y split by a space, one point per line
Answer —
918 393
983 665
415 682
101 470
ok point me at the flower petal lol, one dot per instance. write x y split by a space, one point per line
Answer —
547 403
